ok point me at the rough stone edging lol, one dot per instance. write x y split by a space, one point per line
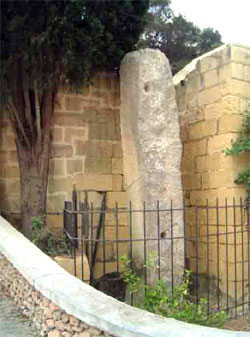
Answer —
84 302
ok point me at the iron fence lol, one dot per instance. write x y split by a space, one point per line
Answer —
211 240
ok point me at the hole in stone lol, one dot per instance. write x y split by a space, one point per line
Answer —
146 87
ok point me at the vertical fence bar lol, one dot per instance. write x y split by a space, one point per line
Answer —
74 204
172 246
145 242
158 241
207 262
227 278
82 245
242 258
92 272
197 254
131 245
235 258
218 253
117 236
103 242
185 234
248 243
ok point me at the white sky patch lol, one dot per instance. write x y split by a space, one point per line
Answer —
231 18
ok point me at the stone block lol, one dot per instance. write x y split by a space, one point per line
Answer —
98 165
211 78
69 119
12 172
13 187
60 102
225 73
208 163
71 132
220 142
61 151
67 263
94 182
194 84
55 203
113 197
212 111
117 182
191 181
187 165
59 185
79 147
218 179
237 163
230 123
56 167
235 87
203 129
247 73
74 103
238 71
195 148
57 135
240 54
54 221
104 131
12 157
117 150
74 166
209 96
106 149
114 99
209 63
90 115
117 166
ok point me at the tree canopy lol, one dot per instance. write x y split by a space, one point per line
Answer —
62 40
46 45
179 39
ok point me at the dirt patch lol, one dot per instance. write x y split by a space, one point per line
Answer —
238 324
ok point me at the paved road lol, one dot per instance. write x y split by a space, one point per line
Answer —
12 322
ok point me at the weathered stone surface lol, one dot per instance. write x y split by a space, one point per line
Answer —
151 146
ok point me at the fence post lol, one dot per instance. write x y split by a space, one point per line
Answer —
75 225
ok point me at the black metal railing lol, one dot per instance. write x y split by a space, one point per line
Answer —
211 240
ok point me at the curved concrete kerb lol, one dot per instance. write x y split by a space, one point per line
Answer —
84 302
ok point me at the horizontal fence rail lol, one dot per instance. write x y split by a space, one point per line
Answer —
213 241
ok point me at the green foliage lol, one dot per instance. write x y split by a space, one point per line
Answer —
242 144
160 300
51 43
53 246
37 224
179 39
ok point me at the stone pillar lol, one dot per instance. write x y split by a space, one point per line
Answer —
152 154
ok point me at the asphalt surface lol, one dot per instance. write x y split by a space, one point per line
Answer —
12 322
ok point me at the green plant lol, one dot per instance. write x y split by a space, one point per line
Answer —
240 145
46 241
37 223
161 300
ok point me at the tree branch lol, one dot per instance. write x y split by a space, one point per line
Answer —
13 110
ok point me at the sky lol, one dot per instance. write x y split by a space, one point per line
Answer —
230 17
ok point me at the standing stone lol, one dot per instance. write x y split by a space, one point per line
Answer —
152 155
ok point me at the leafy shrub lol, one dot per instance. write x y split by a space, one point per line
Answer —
159 299
242 144
46 241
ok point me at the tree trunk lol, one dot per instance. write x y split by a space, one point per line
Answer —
33 150
33 183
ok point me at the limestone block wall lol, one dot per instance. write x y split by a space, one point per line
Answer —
85 151
212 93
